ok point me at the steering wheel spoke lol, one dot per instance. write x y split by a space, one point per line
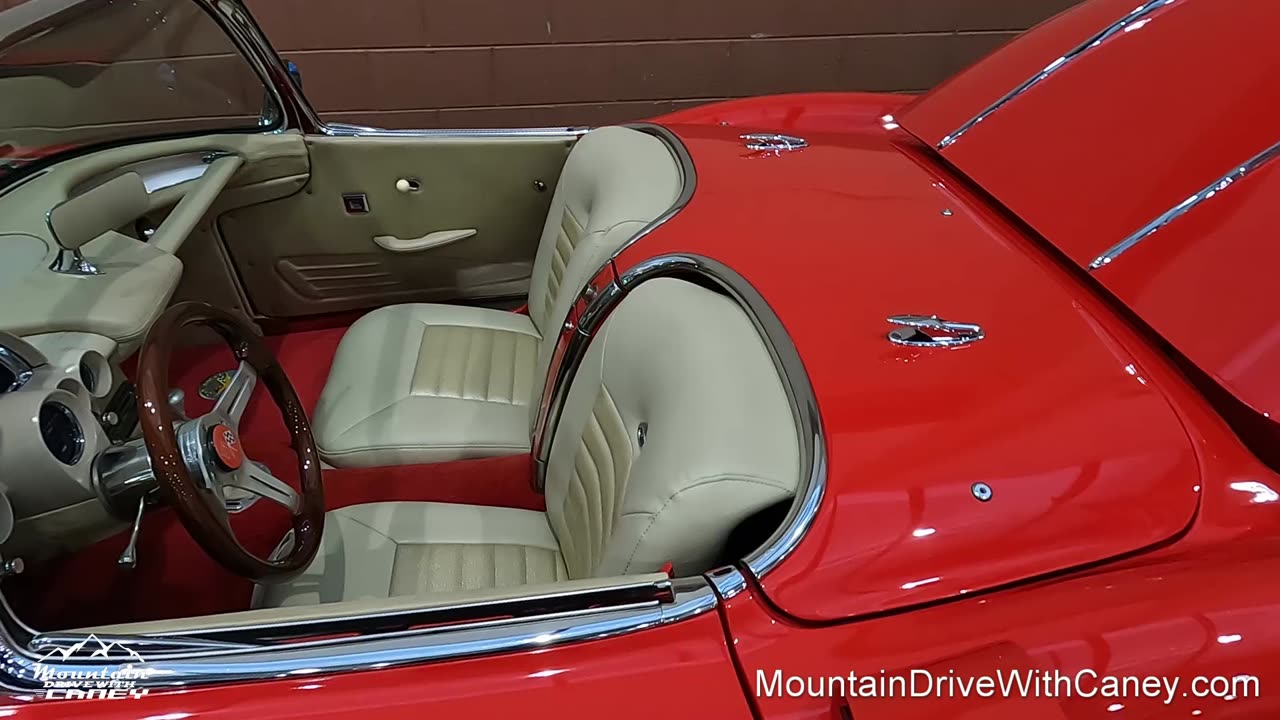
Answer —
201 466
256 478
235 398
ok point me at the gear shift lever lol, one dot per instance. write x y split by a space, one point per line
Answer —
178 403
129 558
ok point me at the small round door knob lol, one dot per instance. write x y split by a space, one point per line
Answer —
403 185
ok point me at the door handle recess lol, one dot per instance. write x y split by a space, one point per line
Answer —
426 242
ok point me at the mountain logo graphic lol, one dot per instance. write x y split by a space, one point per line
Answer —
92 647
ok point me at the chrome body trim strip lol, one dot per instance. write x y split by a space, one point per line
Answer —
1238 173
199 662
1119 26
345 130
553 602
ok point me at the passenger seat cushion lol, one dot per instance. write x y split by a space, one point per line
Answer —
384 550
413 384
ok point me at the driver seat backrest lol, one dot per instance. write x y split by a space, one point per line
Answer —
676 428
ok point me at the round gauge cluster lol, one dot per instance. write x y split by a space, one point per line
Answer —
61 432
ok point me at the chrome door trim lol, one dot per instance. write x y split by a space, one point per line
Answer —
1237 174
190 662
1112 30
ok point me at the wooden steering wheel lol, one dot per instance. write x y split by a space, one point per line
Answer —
200 462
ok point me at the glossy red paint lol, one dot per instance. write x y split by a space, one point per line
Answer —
678 671
1127 130
1200 283
964 95
799 112
1207 624
1057 410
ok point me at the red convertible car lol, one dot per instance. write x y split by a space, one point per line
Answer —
812 406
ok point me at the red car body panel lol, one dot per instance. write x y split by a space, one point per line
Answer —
1056 410
1204 283
966 94
685 667
1206 625
1152 140
1087 159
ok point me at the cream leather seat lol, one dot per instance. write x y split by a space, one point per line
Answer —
676 428
429 383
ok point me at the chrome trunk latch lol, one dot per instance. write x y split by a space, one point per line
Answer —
932 331
774 142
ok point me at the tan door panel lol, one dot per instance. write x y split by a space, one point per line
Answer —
308 253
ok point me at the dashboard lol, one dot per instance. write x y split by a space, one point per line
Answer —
55 391
89 258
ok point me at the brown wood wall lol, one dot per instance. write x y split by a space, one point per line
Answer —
485 63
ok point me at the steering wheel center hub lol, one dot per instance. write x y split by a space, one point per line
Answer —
226 447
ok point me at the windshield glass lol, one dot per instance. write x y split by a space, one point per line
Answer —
76 74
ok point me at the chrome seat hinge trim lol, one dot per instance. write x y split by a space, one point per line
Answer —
1122 25
943 333
1238 173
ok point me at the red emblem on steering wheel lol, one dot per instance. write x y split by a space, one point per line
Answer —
226 447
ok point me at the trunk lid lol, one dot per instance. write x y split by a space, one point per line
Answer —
1151 131
1052 412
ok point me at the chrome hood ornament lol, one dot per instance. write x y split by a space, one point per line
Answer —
932 331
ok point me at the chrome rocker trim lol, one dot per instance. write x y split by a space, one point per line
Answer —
1237 174
1111 31
189 661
